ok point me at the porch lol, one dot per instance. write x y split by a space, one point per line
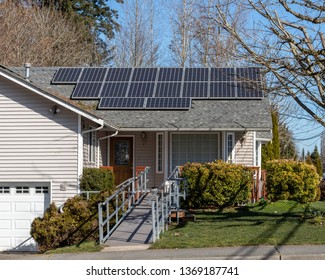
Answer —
135 215
164 150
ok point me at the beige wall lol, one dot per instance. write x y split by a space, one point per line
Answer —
35 144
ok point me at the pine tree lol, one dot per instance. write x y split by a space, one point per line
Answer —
308 158
272 149
315 158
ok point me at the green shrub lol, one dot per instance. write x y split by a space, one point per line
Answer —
322 189
217 184
97 179
291 180
77 222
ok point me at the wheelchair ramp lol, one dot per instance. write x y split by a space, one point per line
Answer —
135 231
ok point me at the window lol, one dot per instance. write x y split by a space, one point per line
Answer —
4 190
22 189
92 145
41 189
159 153
230 144
194 148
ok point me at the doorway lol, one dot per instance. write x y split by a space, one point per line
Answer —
121 158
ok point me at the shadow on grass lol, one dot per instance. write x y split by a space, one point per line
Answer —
273 218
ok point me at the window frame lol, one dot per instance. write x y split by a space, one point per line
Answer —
218 144
160 152
92 145
230 150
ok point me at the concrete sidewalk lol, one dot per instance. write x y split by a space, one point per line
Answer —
310 252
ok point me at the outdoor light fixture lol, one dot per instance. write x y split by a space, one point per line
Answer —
55 109
143 135
242 139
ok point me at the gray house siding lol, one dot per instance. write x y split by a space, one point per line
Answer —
35 144
245 149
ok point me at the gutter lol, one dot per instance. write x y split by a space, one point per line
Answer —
94 129
201 129
103 138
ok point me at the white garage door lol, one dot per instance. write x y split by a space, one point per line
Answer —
20 204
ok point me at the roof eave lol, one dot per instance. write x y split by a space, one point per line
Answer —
28 85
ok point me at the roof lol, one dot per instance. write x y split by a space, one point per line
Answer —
50 94
204 115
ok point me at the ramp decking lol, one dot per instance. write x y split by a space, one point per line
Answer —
136 229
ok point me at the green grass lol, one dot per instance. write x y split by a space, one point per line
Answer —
279 223
83 247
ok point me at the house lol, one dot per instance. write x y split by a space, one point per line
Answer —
56 121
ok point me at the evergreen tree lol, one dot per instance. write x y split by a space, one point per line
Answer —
96 15
276 137
303 156
272 149
308 158
288 148
315 158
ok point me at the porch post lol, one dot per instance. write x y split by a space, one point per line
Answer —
166 160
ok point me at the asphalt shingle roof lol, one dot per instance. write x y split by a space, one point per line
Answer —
204 115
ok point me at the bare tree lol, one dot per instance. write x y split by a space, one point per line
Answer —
290 46
135 44
182 43
42 37
213 45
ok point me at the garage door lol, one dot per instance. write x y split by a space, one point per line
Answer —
20 204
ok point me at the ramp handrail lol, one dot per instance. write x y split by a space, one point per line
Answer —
113 210
165 200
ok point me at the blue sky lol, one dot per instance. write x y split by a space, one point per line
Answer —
307 134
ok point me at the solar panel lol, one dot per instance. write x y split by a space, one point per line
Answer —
114 89
93 74
249 90
144 74
223 90
121 103
86 91
170 74
195 90
248 74
168 89
141 89
196 74
222 74
168 103
66 75
159 88
118 74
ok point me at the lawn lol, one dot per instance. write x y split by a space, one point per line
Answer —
278 223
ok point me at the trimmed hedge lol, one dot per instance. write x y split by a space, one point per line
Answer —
217 184
291 180
97 179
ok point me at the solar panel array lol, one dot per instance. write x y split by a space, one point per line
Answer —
159 88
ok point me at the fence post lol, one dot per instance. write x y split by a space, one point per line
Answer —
153 213
100 223
157 216
162 211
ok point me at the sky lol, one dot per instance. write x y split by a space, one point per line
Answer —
306 133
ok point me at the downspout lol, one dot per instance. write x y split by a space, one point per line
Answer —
103 138
93 129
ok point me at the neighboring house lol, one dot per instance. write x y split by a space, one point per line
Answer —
46 139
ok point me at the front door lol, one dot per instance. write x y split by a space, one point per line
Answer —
121 158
